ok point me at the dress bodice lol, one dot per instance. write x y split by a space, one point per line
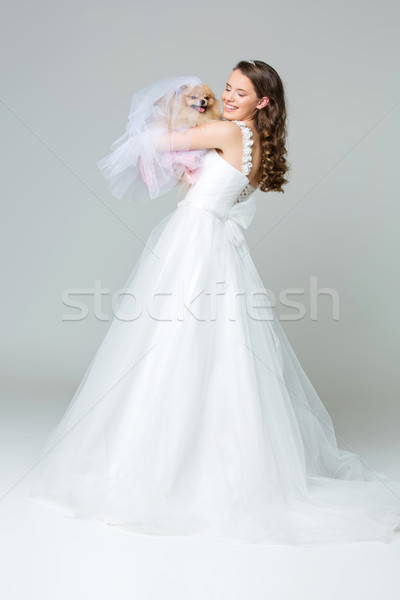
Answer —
222 189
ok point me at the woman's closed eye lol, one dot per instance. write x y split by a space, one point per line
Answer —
242 95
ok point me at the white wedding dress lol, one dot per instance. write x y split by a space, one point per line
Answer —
194 416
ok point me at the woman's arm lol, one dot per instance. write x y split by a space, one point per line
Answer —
217 134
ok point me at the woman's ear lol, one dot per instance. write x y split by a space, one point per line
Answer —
263 102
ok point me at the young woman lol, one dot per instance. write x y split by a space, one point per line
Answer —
195 416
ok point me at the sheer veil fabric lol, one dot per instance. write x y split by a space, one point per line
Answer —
135 157
195 417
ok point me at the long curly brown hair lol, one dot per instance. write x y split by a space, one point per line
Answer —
270 122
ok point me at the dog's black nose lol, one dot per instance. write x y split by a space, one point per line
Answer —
202 102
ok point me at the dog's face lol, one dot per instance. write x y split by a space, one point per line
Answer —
189 107
199 98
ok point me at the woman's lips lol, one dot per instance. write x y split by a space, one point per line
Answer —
229 107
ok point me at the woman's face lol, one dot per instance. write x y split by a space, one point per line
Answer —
239 99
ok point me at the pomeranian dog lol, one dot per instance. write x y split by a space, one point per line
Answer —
197 106
200 99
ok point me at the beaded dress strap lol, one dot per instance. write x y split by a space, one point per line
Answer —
247 135
247 144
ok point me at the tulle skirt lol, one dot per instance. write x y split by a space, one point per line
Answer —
196 418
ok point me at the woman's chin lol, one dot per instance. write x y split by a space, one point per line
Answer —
230 114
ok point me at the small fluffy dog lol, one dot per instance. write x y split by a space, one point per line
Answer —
200 99
198 106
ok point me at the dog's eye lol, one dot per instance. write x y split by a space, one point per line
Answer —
193 97
207 98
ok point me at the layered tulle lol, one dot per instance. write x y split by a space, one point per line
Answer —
195 416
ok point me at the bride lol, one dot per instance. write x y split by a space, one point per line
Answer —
195 416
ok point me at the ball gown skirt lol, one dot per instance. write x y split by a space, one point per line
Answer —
195 417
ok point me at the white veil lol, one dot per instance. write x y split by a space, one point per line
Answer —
134 159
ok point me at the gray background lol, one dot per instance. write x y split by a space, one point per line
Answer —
68 74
